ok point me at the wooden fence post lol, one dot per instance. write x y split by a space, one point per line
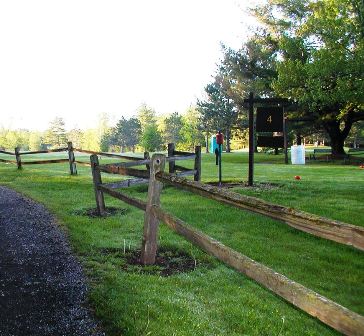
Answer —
17 156
71 158
147 157
171 149
96 175
197 176
151 222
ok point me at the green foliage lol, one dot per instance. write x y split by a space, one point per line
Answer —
35 141
56 133
190 131
146 116
75 135
251 68
173 126
218 111
327 78
311 52
9 139
90 140
151 139
126 133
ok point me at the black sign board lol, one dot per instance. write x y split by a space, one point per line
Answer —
269 119
270 141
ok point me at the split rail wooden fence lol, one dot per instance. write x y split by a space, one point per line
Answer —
324 309
18 161
178 155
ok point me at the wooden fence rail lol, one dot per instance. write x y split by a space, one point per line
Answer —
44 161
316 305
113 155
133 160
319 226
327 311
140 176
8 161
46 151
5 152
174 155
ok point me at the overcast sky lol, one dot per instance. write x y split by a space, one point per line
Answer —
77 59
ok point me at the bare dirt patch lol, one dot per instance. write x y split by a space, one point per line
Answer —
93 213
169 261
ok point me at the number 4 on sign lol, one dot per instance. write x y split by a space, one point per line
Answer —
269 119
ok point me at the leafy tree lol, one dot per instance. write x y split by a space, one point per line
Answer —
56 133
35 141
90 140
219 108
321 60
151 138
146 116
103 131
191 132
251 68
356 135
75 136
127 133
173 127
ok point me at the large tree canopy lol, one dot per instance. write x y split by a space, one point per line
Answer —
126 133
311 52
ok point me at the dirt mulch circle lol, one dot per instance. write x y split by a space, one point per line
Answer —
93 213
168 262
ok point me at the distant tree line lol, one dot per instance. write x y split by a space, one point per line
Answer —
144 132
148 132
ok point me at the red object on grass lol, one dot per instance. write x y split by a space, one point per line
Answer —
361 166
219 138
297 177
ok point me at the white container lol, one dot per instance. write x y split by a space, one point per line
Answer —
298 154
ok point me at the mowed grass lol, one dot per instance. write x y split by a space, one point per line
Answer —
213 299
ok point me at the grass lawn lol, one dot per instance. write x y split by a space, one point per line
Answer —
212 299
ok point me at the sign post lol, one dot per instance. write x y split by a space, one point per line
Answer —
269 119
251 139
219 141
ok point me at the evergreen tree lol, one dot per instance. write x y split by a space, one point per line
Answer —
151 138
127 133
173 127
56 133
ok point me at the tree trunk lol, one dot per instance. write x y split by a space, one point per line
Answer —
227 141
299 139
207 143
337 136
337 146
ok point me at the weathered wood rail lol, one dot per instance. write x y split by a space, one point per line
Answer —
20 163
140 176
319 226
314 304
112 155
182 171
135 161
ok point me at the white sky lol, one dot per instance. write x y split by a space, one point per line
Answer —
76 59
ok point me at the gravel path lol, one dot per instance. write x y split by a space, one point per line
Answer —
42 287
